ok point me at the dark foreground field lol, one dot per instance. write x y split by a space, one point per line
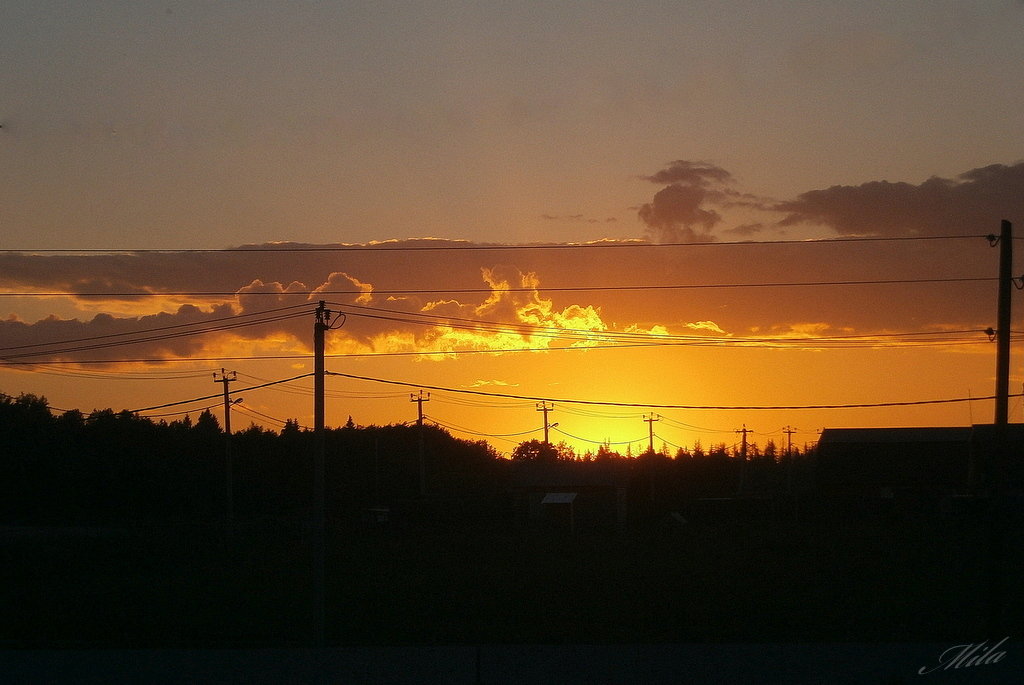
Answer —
450 580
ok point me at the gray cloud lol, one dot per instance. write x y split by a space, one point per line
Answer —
675 215
972 203
103 336
688 173
746 230
578 218
679 212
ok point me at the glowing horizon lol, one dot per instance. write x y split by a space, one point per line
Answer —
513 337
754 209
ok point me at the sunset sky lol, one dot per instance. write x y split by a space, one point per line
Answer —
679 208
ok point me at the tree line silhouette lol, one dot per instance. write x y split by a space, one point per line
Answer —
112 466
116 466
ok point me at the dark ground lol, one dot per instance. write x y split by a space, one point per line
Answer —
448 581
870 580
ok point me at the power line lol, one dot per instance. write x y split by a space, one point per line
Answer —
482 404
298 390
534 398
596 442
156 329
462 429
43 368
589 336
208 397
452 245
245 409
488 290
160 360
182 413
696 342
146 338
421 318
669 442
5 396
592 335
691 427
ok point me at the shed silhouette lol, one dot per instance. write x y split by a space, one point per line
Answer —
570 494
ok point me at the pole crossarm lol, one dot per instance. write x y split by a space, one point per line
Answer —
649 419
545 407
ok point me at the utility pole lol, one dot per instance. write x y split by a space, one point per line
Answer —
743 458
997 462
419 400
229 504
320 327
1005 242
545 407
789 430
743 442
650 419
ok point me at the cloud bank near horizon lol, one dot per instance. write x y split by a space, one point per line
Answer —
972 203
715 289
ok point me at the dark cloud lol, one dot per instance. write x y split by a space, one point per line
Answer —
105 336
577 218
700 174
679 212
746 230
676 215
972 203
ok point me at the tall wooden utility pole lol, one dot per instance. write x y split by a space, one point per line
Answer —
419 400
545 407
229 504
320 327
1005 243
1000 452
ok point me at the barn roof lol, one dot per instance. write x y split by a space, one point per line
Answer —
933 435
833 436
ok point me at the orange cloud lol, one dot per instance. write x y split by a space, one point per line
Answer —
517 298
342 281
705 326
